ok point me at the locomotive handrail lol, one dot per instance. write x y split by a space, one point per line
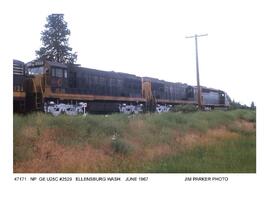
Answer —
34 85
41 87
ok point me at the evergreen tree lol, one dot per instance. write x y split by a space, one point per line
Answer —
55 41
252 106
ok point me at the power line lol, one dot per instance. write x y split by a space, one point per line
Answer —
197 68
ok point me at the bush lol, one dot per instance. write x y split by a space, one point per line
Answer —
121 147
185 108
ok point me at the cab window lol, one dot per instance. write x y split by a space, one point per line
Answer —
36 70
57 72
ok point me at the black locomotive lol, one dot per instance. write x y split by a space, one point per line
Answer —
19 77
56 88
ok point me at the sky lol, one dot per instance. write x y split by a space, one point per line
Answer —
147 38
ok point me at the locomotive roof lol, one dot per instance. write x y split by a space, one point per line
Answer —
36 63
163 81
113 73
211 89
57 64
17 62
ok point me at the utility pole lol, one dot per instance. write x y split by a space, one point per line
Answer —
197 68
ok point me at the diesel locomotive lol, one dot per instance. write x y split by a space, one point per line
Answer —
59 88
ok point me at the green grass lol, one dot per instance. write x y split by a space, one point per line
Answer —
139 134
226 156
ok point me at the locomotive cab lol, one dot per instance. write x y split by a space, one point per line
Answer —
35 84
221 98
46 75
37 73
44 78
58 77
190 93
